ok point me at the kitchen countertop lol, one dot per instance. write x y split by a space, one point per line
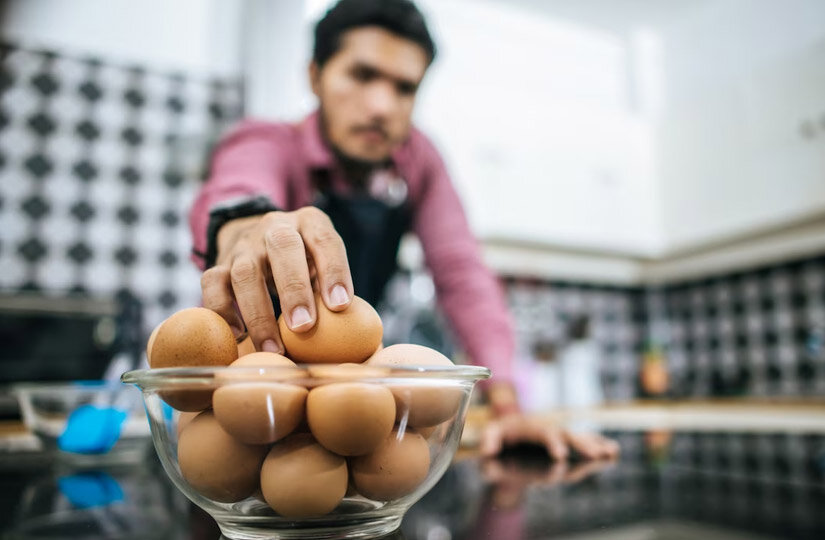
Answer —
722 484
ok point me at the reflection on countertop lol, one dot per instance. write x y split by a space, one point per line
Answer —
717 485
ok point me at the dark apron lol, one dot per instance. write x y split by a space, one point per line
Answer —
371 230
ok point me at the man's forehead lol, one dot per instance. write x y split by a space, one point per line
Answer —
393 55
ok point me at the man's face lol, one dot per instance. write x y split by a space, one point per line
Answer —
367 91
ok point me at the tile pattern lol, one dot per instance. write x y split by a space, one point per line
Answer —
759 332
98 166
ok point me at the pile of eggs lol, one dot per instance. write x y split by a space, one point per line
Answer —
302 439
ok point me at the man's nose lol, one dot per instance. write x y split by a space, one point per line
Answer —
381 99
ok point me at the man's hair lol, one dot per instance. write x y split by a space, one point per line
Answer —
401 17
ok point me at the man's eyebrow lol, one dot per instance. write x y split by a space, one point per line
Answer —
400 80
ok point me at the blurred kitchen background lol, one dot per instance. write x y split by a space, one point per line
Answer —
646 177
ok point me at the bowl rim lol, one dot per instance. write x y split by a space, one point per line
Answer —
159 377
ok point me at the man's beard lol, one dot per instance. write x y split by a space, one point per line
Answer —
355 167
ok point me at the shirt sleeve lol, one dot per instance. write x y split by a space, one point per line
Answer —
246 163
468 292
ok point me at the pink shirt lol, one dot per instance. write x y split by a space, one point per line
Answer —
275 160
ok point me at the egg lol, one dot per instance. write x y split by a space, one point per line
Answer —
351 335
151 341
246 347
350 418
217 465
192 337
394 469
326 373
183 420
428 403
258 412
300 478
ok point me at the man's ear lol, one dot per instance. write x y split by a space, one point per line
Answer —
315 78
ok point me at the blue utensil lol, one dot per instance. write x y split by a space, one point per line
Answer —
95 428
92 430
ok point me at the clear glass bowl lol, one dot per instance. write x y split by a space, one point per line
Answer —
421 395
106 418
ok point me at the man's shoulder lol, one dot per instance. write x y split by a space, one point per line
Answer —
419 145
276 131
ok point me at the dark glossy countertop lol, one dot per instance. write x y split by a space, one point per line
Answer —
666 485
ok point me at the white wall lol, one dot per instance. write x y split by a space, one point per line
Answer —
193 36
742 75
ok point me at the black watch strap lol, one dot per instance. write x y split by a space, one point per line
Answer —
225 212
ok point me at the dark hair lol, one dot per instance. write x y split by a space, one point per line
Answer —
400 17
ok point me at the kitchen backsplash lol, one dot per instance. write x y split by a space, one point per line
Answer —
757 332
98 166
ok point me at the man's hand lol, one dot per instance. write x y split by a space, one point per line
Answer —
285 252
517 427
511 426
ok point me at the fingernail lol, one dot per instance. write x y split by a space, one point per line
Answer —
270 346
338 296
300 316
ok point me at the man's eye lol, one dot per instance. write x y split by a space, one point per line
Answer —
406 89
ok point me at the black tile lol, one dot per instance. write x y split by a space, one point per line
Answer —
36 207
168 259
82 211
126 256
80 253
170 218
132 136
85 170
41 124
38 165
175 104
128 215
46 84
130 175
87 130
4 119
134 97
173 178
7 78
32 250
90 91
167 299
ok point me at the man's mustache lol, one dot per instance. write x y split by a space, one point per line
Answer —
372 127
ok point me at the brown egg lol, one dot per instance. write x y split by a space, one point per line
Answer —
338 372
351 335
350 418
254 409
427 404
193 337
300 478
184 418
215 464
246 347
151 341
398 466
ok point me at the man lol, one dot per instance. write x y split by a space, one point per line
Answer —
322 205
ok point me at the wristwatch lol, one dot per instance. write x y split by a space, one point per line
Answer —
226 211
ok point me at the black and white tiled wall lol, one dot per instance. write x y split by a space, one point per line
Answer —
758 332
98 166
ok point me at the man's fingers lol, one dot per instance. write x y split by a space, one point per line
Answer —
216 290
287 259
329 256
491 439
249 286
556 447
586 444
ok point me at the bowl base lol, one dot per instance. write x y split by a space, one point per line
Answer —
352 528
